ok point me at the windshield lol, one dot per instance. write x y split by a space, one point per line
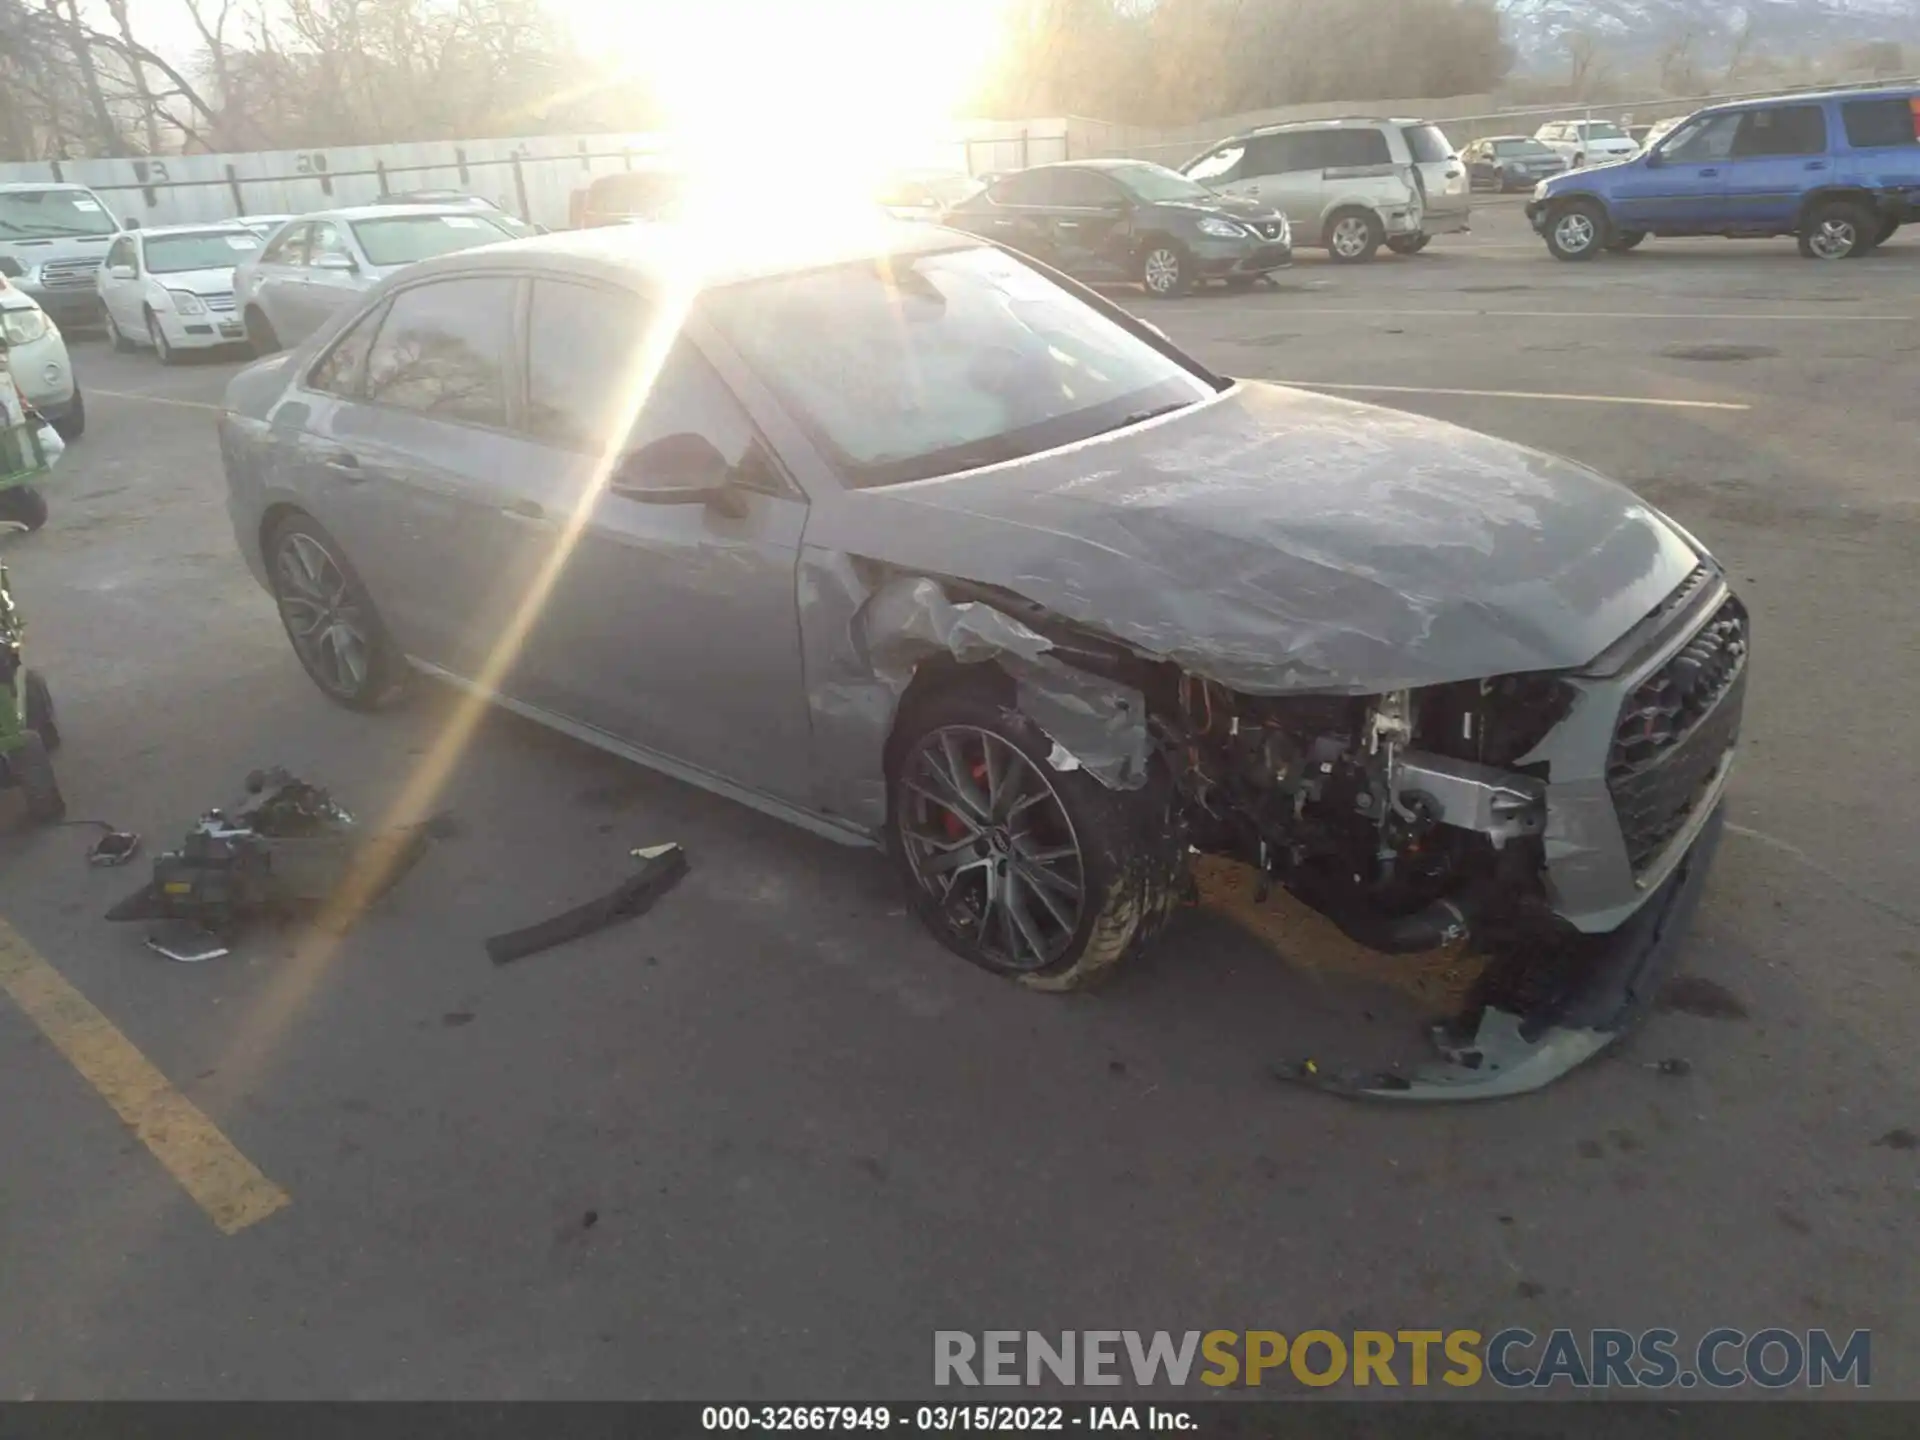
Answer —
1520 147
1156 182
403 239
1602 131
1428 144
913 366
203 250
39 214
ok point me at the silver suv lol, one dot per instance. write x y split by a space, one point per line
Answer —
1348 185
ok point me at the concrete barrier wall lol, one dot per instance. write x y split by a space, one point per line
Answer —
532 177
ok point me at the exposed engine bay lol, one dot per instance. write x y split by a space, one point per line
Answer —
1559 824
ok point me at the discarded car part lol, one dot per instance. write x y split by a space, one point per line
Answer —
1518 1035
289 847
186 942
662 867
115 847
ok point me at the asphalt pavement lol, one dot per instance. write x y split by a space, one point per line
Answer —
764 1141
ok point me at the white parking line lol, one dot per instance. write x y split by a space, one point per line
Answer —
157 400
1520 395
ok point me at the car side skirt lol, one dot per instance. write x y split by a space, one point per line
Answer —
825 826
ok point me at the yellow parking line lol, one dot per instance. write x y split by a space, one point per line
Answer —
157 400
1521 395
221 1180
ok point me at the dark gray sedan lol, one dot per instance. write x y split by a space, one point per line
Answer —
913 542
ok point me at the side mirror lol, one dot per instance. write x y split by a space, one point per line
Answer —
678 469
120 272
334 262
1653 159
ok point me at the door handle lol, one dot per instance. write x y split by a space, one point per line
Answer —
1451 175
1816 164
346 466
1709 172
529 510
1067 224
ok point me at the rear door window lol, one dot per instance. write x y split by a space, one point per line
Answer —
1028 187
1781 130
1347 148
290 248
443 351
1084 190
1278 154
1428 143
1875 124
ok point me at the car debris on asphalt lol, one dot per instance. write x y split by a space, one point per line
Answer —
288 849
661 868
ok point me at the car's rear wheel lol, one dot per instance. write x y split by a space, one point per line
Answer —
31 769
337 633
72 425
260 332
1353 236
1165 270
1408 244
40 711
1626 240
1040 874
1576 230
1838 230
23 505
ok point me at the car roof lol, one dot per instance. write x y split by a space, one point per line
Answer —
205 227
661 253
1485 138
1117 162
388 212
1814 97
12 186
1334 121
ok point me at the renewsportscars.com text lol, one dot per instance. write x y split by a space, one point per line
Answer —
1720 1359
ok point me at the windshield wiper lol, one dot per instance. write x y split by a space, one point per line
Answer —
1140 417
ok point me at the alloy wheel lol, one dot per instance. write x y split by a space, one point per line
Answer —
992 848
1575 232
322 616
1834 239
1161 271
1350 236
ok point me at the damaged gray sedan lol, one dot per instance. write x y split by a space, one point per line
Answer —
910 541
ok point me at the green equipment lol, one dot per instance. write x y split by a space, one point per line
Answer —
28 735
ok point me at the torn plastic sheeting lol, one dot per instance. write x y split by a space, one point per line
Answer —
1099 724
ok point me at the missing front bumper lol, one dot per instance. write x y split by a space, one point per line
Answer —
1577 1002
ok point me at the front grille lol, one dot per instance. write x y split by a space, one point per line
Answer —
219 304
1268 255
1673 731
68 274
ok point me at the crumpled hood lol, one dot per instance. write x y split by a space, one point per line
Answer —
1234 207
1276 540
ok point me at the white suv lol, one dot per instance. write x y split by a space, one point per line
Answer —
1350 185
1587 142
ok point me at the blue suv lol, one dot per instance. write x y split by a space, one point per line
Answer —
1841 171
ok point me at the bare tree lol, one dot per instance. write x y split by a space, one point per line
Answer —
1586 63
1740 49
1680 62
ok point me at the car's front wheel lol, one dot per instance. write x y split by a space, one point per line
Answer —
23 505
1838 230
1408 244
338 635
1576 230
1165 270
1626 240
1032 871
72 425
161 348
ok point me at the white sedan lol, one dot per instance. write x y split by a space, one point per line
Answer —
171 287
1587 142
316 264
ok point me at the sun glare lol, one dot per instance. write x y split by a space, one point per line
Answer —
820 97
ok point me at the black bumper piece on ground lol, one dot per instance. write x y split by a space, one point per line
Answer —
1498 1048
